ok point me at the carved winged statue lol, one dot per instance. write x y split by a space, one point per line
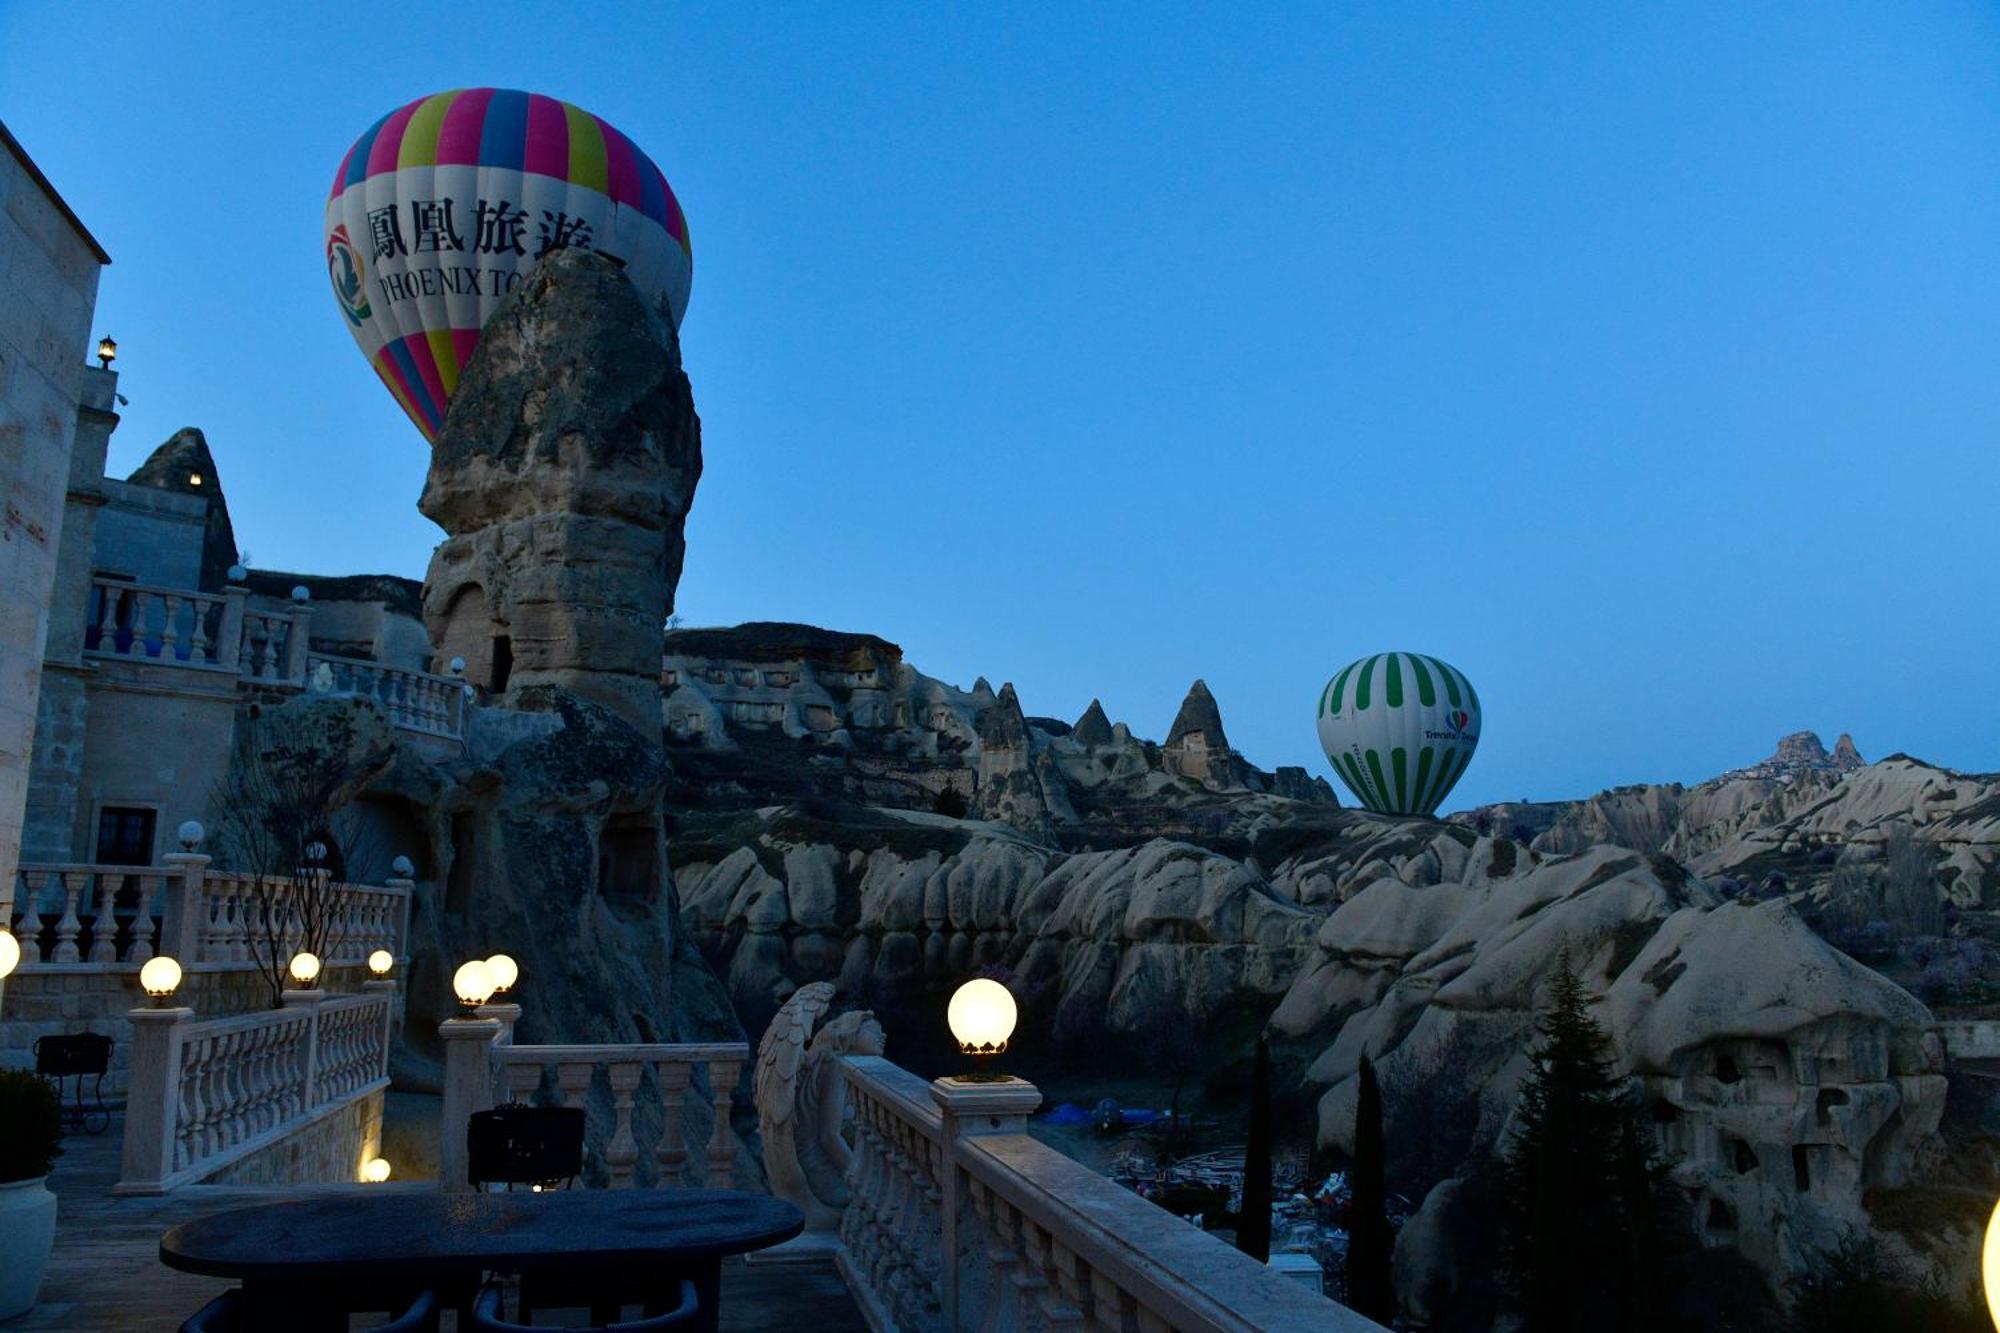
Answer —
802 1100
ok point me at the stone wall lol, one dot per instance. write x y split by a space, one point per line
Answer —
151 535
157 737
48 287
327 1151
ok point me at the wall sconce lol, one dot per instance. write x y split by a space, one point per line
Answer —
981 1016
160 978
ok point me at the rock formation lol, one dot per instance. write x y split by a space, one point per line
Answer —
184 464
758 713
563 476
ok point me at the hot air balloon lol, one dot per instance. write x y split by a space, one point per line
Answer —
1399 729
440 209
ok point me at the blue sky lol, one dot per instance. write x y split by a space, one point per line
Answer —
1643 362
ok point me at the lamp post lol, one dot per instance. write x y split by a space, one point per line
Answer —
981 1015
107 351
468 1082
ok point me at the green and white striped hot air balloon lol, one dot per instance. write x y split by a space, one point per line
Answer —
1399 729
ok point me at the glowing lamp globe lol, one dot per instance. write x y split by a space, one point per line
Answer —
304 967
473 983
981 1016
10 953
1989 1266
380 962
160 978
504 971
376 1171
191 833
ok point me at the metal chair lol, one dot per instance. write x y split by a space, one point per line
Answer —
524 1145
224 1314
487 1316
81 1055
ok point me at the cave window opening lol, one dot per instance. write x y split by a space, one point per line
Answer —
628 857
1721 1217
458 883
1823 1105
1801 1174
1726 1070
1745 1155
503 663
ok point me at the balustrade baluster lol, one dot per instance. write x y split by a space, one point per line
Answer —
141 603
104 924
105 625
199 642
722 1076
145 926
170 607
672 1154
28 899
621 1154
522 1081
69 926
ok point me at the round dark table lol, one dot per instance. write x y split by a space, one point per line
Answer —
322 1257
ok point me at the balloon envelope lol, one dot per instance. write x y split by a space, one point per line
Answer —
1399 729
442 207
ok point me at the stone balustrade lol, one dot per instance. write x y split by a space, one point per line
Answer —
204 1095
184 627
170 625
414 700
959 1219
120 916
639 1134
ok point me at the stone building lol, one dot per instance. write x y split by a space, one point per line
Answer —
49 399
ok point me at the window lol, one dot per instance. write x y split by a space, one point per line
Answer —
125 835
627 863
503 663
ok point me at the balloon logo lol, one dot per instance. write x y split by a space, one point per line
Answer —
345 271
442 207
1399 729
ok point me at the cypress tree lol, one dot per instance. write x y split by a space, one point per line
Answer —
1253 1221
1577 1182
1370 1290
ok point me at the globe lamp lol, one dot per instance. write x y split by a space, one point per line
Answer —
1989 1266
376 1171
504 971
380 962
160 978
304 968
10 953
191 833
473 983
981 1016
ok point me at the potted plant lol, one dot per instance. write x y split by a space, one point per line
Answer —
30 1131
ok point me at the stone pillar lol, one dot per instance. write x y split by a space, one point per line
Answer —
229 635
506 1015
970 1109
185 910
563 476
309 1001
298 642
409 888
468 1087
394 1018
152 1099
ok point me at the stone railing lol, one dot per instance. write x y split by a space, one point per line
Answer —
958 1219
202 1096
120 916
414 700
184 627
648 1087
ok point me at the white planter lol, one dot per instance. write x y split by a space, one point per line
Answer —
27 1235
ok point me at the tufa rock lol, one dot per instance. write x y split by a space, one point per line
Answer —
184 465
1093 728
563 475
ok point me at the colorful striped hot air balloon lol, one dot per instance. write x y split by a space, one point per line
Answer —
439 210
1399 728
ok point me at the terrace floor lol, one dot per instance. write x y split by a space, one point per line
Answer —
106 1272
